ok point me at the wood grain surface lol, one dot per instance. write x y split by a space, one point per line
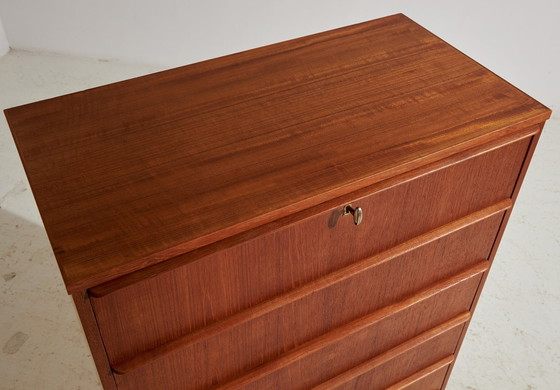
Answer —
154 316
134 173
532 146
329 207
403 360
227 357
308 311
340 350
95 342
178 302
430 378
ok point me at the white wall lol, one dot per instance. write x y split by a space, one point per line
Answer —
514 39
4 45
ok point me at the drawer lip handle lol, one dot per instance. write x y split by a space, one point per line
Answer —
357 213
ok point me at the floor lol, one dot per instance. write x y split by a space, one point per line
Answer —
513 342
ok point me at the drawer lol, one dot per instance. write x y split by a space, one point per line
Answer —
147 314
264 332
393 366
352 344
430 378
377 336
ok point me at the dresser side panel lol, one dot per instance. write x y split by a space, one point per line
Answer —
96 346
530 151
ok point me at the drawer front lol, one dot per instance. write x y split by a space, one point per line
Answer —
379 336
336 352
432 381
382 371
262 334
158 310
430 378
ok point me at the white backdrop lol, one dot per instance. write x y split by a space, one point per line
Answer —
518 40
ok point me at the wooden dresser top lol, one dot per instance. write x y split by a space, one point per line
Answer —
133 173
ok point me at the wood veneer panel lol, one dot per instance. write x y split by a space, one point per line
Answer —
532 146
345 347
229 350
181 370
89 324
149 313
150 168
434 260
401 361
285 222
430 378
305 291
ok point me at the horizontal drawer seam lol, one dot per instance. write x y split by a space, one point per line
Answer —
422 373
307 289
351 328
377 361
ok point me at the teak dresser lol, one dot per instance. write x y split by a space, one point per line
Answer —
319 213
